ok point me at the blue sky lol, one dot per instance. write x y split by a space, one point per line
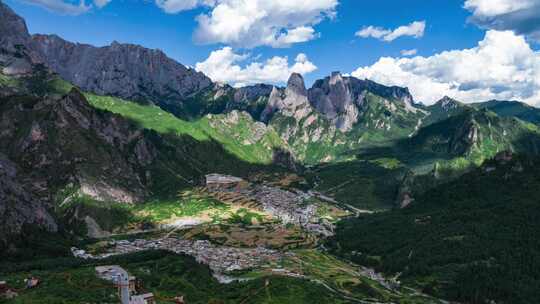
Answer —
331 46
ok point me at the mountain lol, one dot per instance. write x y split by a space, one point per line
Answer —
59 142
478 134
222 98
14 58
511 109
343 99
472 240
309 121
123 70
127 71
18 206
443 109
335 116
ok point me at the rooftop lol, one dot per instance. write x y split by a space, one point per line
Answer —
221 179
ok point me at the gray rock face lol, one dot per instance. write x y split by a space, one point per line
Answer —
124 70
250 93
291 101
13 30
335 98
296 85
18 207
447 104
342 99
14 60
68 141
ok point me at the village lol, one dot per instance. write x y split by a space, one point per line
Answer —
222 260
228 264
291 207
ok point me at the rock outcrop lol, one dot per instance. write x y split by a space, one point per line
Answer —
18 206
291 101
67 141
13 30
14 60
343 99
123 70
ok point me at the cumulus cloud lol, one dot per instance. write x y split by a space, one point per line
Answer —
251 23
409 52
415 29
67 7
502 66
520 16
224 65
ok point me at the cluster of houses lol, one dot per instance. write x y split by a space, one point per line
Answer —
291 207
222 260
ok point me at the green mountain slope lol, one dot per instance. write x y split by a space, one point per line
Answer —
315 138
114 150
472 240
167 275
443 109
237 131
511 109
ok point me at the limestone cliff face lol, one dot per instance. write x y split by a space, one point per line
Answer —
13 37
13 30
343 99
123 70
290 102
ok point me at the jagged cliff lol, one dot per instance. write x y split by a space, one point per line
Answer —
344 99
123 70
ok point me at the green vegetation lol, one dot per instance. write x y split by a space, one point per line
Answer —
473 240
6 81
315 139
120 217
369 185
109 215
244 217
345 279
166 275
158 211
512 109
233 134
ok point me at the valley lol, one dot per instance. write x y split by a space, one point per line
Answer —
348 191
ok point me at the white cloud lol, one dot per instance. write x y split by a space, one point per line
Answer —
372 31
497 7
520 16
502 66
101 3
296 35
251 23
409 52
61 6
68 7
224 66
176 6
415 29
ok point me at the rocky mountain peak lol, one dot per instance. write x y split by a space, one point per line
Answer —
448 103
296 85
13 30
336 78
291 102
123 70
